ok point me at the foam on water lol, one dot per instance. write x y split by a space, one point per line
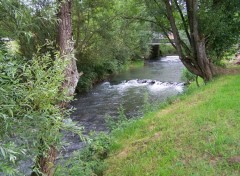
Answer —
151 85
170 59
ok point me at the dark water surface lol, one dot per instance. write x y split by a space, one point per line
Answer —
157 79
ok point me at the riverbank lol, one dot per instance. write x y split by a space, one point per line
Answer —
198 134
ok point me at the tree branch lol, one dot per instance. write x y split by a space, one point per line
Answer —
183 20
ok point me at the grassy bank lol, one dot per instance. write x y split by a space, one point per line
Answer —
136 64
97 73
199 134
133 64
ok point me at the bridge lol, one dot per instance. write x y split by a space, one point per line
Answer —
160 41
157 40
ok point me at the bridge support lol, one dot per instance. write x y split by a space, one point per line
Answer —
155 52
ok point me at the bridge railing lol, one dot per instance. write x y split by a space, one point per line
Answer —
165 40
156 41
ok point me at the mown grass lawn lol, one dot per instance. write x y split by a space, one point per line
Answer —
199 134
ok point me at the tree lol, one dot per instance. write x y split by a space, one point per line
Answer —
183 19
106 41
30 116
31 23
66 46
219 22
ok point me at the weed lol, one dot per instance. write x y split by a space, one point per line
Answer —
88 161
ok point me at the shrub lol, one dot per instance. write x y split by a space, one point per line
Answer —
167 49
88 161
30 117
113 123
187 76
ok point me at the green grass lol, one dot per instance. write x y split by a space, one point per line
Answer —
133 64
137 64
199 134
167 49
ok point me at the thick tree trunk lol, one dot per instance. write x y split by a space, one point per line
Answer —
66 45
197 61
198 43
46 163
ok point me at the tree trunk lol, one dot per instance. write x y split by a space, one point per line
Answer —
186 60
198 43
197 61
66 45
45 164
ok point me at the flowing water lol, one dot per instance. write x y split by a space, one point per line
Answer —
157 80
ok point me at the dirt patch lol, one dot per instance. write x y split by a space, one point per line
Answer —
228 71
138 145
234 160
123 154
156 136
214 160
152 127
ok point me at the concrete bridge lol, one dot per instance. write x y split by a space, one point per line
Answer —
159 39
155 46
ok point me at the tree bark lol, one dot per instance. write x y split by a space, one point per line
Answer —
45 164
186 60
196 61
66 45
198 43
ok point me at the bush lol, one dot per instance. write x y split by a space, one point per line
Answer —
113 123
167 49
187 76
30 117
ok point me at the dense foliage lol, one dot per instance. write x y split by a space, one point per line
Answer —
30 117
105 40
219 22
203 30
31 24
108 35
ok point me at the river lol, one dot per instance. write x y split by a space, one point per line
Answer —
157 80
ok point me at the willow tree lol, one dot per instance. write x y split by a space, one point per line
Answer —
195 60
66 45
185 19
65 42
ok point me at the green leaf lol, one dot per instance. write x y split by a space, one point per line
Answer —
10 112
3 152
